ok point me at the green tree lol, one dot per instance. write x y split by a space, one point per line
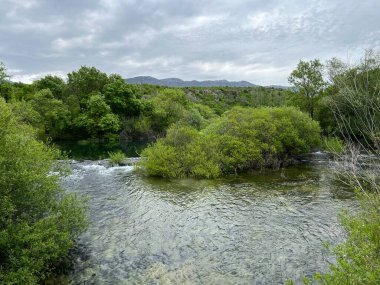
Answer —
121 97
3 73
85 81
356 108
97 119
5 86
56 85
55 114
28 115
308 78
39 222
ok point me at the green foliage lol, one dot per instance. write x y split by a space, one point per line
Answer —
116 157
184 152
264 137
242 139
7 91
55 84
354 99
5 86
3 73
84 82
38 221
166 107
98 119
27 114
333 145
54 112
308 78
358 258
136 111
121 97
221 99
296 99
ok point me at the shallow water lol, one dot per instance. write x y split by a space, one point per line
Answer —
261 228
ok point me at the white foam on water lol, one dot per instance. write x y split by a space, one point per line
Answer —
93 167
110 170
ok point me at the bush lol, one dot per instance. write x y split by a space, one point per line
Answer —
358 258
184 152
38 221
116 157
242 139
333 145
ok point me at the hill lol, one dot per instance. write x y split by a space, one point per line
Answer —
176 82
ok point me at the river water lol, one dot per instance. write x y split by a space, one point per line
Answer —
261 228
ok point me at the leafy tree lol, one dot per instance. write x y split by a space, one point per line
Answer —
22 91
6 91
121 97
28 115
5 86
85 81
308 78
54 112
3 73
356 108
169 106
38 220
97 119
55 84
298 100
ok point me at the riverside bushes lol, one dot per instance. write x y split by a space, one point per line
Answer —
38 221
116 157
358 258
241 139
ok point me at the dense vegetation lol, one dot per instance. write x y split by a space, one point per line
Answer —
92 104
241 139
38 221
356 107
202 132
352 108
358 260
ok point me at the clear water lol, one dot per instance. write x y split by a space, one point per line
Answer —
262 228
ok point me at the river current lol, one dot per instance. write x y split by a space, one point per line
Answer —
259 228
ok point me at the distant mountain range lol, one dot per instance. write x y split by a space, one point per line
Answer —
176 82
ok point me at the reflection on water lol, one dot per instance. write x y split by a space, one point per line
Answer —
260 228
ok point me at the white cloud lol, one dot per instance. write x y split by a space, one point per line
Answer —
238 40
29 78
61 44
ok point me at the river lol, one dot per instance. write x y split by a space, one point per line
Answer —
261 228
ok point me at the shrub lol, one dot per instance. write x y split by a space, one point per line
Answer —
333 145
38 221
184 152
243 138
358 258
116 157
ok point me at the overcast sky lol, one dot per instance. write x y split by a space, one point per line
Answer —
258 41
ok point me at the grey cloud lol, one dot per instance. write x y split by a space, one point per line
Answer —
258 41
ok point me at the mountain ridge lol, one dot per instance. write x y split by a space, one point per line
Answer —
177 82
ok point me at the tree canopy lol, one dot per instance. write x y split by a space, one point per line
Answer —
308 78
